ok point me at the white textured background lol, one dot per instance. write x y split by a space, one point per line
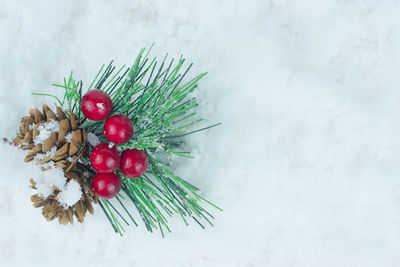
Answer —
306 164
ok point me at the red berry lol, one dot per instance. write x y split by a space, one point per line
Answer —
106 185
96 105
105 159
134 162
118 129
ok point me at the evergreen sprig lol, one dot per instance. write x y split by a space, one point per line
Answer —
157 98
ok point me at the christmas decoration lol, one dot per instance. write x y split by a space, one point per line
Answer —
106 185
118 129
96 105
80 168
134 163
105 158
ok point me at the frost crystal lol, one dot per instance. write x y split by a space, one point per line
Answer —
68 137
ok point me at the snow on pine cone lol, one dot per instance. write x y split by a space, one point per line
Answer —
51 139
55 142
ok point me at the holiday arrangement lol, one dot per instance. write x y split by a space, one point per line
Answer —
113 144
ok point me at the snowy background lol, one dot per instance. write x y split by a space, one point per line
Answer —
306 164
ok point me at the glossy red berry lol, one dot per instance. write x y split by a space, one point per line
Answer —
118 129
106 185
134 162
105 158
96 105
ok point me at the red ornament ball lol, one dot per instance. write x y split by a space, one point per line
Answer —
134 162
106 185
118 129
105 158
96 105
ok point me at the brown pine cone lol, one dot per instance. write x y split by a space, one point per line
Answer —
54 140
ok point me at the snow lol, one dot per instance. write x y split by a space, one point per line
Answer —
70 193
50 164
47 180
41 156
93 139
46 130
68 137
305 163
71 159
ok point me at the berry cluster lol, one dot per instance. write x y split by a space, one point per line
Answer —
105 158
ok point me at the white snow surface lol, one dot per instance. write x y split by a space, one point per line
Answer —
305 164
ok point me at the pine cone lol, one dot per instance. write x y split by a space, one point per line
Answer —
55 140
50 138
53 208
